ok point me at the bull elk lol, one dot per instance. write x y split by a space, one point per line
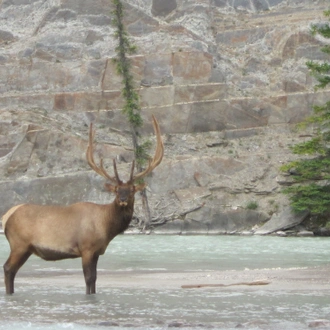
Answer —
79 230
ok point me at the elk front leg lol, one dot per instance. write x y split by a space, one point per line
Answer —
89 263
11 267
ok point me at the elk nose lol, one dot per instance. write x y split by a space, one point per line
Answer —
122 201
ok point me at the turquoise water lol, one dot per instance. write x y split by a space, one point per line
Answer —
51 307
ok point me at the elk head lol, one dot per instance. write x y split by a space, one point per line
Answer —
125 191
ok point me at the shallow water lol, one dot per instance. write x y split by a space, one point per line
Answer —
51 307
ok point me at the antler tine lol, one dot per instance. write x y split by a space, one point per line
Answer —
132 171
158 153
90 158
115 170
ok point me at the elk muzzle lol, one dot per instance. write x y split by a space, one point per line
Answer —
123 203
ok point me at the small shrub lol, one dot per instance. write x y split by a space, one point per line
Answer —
252 205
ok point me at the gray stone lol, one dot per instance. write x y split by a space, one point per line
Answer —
242 4
139 23
158 70
220 3
260 5
191 194
241 133
96 7
319 323
207 117
282 221
273 3
323 231
6 3
99 20
65 15
194 227
221 222
6 37
163 7
174 227
305 233
63 190
246 233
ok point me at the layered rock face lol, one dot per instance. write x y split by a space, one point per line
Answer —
226 80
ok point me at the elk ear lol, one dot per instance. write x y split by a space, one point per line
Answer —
140 187
110 187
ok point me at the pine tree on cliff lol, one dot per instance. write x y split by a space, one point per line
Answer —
311 174
131 107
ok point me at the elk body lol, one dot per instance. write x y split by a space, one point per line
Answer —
78 230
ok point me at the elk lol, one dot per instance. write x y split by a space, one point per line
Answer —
84 229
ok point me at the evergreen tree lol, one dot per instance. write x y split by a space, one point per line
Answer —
311 174
131 107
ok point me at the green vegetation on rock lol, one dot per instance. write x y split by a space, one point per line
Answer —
131 108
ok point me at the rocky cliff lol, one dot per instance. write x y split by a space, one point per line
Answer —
226 79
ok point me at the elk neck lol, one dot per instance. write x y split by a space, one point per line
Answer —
119 217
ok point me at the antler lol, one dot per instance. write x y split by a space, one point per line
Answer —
158 153
152 163
99 169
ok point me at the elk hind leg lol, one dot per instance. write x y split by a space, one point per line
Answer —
89 268
11 267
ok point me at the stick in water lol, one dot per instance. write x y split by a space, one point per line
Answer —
196 286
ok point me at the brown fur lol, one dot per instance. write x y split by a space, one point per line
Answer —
6 216
60 232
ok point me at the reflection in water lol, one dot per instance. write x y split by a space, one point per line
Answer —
52 307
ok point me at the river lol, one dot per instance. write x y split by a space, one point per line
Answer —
140 278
